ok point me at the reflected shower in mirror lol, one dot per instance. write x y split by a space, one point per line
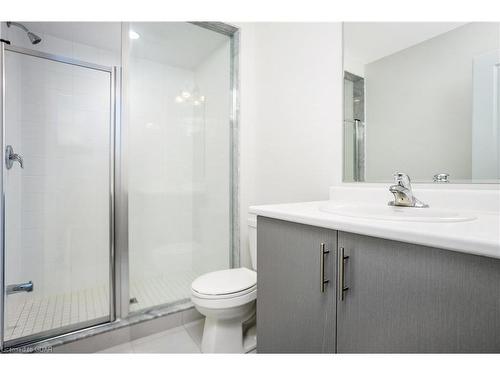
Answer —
422 98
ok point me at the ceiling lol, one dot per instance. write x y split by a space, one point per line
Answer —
104 35
370 41
178 44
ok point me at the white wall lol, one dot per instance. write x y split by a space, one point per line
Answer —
419 105
353 65
485 119
291 114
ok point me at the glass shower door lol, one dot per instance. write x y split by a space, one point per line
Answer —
180 160
58 202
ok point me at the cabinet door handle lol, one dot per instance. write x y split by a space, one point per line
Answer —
342 260
322 254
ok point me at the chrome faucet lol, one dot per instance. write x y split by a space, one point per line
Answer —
17 288
403 194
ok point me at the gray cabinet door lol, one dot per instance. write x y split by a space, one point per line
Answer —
293 314
408 298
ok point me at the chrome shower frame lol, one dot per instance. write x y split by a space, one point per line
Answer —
119 252
114 156
122 265
233 33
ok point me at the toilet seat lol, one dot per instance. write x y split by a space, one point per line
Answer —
225 289
225 283
223 296
224 303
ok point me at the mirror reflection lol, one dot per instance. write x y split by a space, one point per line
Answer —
421 98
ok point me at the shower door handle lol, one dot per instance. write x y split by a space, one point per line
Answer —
11 157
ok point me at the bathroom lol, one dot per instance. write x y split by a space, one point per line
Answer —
314 186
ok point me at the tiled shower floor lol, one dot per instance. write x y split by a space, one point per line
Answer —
28 314
161 289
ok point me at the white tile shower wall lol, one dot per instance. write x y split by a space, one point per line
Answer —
161 170
212 163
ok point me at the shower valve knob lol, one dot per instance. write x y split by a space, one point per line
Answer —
11 157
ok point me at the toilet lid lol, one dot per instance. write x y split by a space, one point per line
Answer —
225 281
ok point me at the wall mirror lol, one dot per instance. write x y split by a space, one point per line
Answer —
422 98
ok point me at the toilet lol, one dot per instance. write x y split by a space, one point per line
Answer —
227 300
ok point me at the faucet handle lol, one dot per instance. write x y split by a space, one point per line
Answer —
441 177
11 157
402 179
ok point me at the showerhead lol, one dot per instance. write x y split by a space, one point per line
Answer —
34 39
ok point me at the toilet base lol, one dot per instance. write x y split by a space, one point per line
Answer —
250 339
228 335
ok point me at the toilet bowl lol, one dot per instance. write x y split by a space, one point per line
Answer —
227 300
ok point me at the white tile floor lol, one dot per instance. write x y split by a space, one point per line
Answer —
183 339
29 313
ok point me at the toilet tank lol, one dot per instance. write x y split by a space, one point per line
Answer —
252 238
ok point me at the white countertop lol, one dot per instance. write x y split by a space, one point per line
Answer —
480 236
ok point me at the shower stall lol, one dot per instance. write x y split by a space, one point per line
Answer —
119 179
354 128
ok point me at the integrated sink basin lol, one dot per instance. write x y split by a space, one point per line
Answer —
391 213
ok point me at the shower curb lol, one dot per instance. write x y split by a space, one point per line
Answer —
94 339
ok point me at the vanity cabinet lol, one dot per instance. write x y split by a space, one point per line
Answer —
401 297
295 307
406 298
